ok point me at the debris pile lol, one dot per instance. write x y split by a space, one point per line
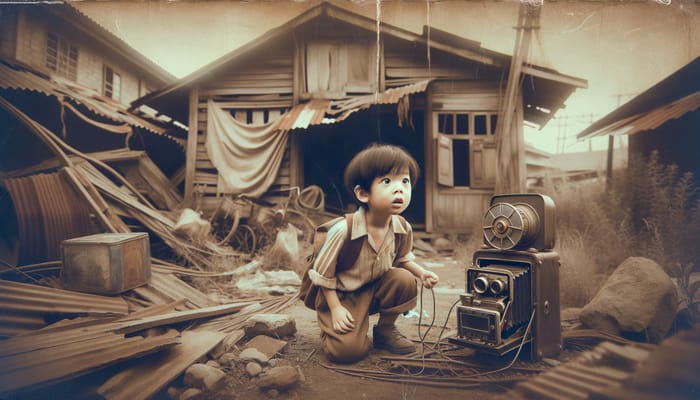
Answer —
181 324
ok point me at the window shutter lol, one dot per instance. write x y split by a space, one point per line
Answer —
445 166
484 165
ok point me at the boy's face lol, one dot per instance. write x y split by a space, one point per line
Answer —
389 193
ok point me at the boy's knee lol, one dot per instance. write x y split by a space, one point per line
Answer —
403 281
344 352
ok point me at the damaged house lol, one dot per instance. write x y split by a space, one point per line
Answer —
64 76
75 163
290 109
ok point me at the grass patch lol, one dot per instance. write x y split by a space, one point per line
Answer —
650 210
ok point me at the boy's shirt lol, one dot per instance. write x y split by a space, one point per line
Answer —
371 263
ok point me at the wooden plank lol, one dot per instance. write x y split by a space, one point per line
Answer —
191 148
50 371
156 371
281 89
180 316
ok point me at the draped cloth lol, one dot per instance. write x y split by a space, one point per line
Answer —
247 157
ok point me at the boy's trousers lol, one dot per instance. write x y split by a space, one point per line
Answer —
395 292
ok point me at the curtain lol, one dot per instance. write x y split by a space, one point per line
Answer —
246 156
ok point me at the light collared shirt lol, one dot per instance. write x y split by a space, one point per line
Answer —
374 259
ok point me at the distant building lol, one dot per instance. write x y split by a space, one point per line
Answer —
62 42
665 118
543 167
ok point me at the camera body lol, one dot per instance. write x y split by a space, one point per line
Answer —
513 282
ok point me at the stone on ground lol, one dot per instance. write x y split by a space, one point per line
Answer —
274 325
639 297
253 354
204 377
280 378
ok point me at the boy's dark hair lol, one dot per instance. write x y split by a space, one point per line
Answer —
376 160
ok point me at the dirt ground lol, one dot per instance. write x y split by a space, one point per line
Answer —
322 383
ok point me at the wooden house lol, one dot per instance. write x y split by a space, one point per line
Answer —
62 76
329 82
664 118
59 40
77 79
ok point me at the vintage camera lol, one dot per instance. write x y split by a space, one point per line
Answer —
512 280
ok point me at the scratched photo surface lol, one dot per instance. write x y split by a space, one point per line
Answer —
166 165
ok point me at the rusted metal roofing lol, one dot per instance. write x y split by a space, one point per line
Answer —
651 119
17 76
317 112
544 94
48 212
673 89
34 299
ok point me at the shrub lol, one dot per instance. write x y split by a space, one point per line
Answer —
649 210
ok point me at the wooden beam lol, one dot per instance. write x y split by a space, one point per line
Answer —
154 372
191 152
181 316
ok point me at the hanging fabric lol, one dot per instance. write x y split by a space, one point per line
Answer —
247 157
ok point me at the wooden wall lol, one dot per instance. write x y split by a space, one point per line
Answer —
257 93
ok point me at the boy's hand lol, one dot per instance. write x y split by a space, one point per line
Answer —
429 278
343 322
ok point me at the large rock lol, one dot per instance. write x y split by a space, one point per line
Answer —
639 297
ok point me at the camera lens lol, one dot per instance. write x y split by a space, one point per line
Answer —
497 286
481 285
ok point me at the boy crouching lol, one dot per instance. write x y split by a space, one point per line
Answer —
381 276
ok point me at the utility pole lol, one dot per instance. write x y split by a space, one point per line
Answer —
509 140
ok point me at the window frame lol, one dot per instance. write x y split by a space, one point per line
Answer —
337 74
109 85
61 56
481 148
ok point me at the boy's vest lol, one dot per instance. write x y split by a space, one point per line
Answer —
347 255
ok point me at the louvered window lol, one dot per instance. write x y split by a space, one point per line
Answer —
61 56
112 84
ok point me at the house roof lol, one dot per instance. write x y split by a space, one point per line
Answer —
90 28
545 91
670 98
17 76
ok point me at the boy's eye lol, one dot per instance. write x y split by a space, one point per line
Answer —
386 181
406 181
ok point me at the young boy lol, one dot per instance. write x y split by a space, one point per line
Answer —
382 280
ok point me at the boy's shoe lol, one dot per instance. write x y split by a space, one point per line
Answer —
389 338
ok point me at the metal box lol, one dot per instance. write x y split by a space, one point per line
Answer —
106 263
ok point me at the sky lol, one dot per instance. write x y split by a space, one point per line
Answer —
620 47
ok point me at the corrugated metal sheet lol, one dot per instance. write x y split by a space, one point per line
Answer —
48 212
165 288
14 75
651 119
317 112
18 297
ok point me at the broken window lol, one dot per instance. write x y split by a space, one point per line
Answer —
335 69
61 56
112 84
466 149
